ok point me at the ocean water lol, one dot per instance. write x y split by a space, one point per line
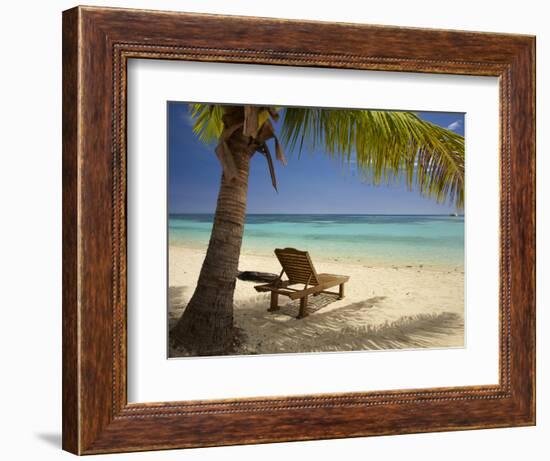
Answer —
369 239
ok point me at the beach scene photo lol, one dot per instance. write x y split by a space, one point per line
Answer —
313 230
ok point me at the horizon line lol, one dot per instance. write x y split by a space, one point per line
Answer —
333 214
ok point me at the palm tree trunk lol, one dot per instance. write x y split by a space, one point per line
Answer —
206 326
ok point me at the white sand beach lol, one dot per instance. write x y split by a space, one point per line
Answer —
385 307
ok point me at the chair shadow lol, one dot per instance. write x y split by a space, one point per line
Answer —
51 438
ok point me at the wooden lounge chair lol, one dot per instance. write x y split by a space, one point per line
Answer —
299 269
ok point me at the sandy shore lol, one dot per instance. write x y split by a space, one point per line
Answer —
391 307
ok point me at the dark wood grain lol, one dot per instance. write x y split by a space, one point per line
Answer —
70 384
97 43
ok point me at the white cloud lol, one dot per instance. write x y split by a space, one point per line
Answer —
453 126
187 119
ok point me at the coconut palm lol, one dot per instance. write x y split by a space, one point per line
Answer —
384 145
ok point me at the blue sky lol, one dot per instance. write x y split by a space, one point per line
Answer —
310 183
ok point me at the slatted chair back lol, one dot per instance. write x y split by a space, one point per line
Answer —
297 266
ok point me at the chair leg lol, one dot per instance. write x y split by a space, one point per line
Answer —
303 308
341 291
274 306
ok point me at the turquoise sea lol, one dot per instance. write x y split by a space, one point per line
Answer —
431 240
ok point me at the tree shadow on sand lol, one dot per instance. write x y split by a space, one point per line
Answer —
347 328
176 303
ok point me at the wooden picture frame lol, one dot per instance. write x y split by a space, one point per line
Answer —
97 43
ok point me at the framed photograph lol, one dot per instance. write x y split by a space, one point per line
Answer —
281 230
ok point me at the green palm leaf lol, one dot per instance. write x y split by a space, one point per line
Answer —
385 145
207 124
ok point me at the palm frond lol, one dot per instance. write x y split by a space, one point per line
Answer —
385 144
207 121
